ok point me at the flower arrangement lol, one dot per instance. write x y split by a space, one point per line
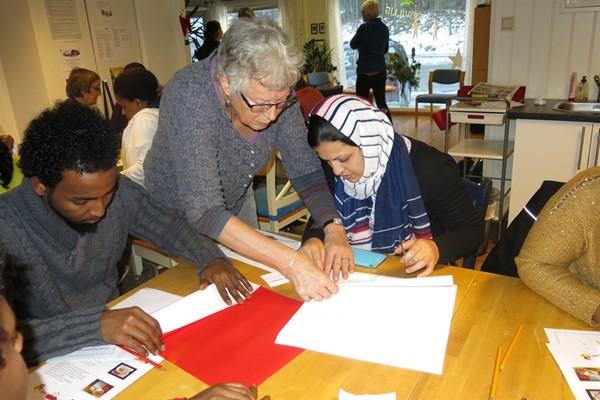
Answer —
400 70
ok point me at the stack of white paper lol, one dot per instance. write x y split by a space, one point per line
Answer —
577 354
398 322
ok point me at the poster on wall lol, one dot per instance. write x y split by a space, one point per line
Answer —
63 20
71 58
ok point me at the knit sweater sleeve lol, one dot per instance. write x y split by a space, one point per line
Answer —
303 166
61 334
557 258
165 228
186 137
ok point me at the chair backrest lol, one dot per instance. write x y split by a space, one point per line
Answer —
308 96
446 77
501 259
480 194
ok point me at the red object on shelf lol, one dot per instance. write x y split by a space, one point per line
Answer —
236 344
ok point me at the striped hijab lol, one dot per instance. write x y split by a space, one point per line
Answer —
399 213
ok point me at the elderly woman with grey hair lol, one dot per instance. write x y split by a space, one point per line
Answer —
220 120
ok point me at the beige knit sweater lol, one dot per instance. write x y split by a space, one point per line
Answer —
560 258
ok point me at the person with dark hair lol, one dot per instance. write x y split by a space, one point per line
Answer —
212 37
66 226
372 42
136 93
117 120
83 86
6 166
13 371
395 195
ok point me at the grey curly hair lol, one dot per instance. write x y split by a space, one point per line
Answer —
258 49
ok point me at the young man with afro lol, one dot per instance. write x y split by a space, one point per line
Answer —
66 227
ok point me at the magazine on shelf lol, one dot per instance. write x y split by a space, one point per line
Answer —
484 89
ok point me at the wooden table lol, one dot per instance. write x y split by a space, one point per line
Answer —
488 310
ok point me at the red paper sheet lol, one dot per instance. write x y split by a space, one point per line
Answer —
236 344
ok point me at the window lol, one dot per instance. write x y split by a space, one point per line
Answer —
271 12
440 33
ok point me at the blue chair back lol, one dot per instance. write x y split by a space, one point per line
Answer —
446 76
480 194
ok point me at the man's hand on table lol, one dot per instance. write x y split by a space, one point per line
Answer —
418 254
229 391
229 281
133 328
307 278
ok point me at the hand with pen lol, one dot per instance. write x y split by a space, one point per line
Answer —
132 327
229 391
418 255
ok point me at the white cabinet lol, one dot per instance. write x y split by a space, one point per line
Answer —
549 150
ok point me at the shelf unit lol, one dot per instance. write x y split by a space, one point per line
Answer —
491 111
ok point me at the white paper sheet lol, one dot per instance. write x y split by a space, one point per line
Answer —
191 308
72 378
365 279
148 299
343 395
405 327
572 363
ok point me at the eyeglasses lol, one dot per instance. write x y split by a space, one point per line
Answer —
96 88
261 108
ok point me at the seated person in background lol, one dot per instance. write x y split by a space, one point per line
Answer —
395 195
560 259
66 227
117 120
136 93
212 37
10 174
13 372
83 86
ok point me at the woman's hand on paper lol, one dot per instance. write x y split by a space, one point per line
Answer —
307 278
418 255
229 281
338 253
133 328
315 249
229 391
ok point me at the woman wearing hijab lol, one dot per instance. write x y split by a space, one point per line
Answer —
395 195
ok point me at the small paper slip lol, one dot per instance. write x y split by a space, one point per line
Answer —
577 354
410 324
274 279
66 378
148 299
343 395
367 259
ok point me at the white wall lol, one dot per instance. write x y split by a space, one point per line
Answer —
23 82
546 45
161 40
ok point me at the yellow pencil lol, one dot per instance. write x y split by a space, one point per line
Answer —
510 347
495 376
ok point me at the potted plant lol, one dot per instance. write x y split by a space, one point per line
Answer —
407 75
318 63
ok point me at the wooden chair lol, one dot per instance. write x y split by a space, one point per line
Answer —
278 205
443 77
141 249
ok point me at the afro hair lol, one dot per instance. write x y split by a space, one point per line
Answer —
67 136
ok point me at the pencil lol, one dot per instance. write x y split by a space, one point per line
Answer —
141 357
495 376
510 347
